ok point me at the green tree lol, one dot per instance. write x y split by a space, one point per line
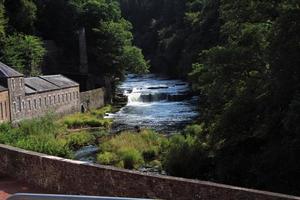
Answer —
2 21
25 53
133 60
21 15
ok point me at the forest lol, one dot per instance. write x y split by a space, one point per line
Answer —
241 58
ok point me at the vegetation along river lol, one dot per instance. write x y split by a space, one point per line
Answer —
155 102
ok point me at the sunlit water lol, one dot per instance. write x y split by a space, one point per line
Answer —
155 102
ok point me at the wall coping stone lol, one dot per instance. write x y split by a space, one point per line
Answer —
137 173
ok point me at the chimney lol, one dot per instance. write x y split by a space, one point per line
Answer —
83 52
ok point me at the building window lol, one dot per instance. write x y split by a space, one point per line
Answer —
66 97
13 83
29 104
77 94
50 100
35 104
5 108
19 103
1 109
23 105
59 98
40 101
15 107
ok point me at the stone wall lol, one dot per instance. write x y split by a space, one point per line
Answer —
75 177
4 107
93 99
61 102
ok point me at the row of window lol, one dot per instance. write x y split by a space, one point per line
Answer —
4 114
20 80
46 101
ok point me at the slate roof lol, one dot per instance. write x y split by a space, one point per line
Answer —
39 85
47 83
28 90
3 88
8 72
60 81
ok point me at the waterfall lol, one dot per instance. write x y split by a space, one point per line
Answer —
134 96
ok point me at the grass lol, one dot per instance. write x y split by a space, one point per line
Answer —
90 119
52 136
42 135
132 150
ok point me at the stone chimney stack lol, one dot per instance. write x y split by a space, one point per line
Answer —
83 52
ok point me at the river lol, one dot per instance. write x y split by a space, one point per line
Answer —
155 102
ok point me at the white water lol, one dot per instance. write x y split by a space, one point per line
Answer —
155 102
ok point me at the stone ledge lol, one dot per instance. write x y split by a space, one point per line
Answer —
76 177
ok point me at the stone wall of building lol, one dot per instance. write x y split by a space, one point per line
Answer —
4 107
64 101
59 175
93 99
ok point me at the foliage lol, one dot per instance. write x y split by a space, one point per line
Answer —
80 139
40 135
2 21
93 118
132 150
22 15
133 60
25 53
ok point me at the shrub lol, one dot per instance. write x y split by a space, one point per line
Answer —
40 135
150 154
80 139
187 157
107 158
131 158
134 149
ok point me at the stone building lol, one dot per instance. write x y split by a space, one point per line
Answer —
24 98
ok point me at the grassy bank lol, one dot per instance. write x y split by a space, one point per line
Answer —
133 150
54 136
129 149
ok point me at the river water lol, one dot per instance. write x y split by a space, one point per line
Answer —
155 102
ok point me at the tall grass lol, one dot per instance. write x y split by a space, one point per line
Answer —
132 150
45 135
94 118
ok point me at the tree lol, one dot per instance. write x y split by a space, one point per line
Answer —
21 15
25 53
2 21
133 60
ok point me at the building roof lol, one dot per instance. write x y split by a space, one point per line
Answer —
39 85
28 90
47 83
60 81
2 88
8 72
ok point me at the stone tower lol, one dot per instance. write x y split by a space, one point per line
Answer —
14 81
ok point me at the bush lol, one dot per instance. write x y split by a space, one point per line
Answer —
40 135
132 149
131 158
81 120
80 139
187 157
107 158
150 154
